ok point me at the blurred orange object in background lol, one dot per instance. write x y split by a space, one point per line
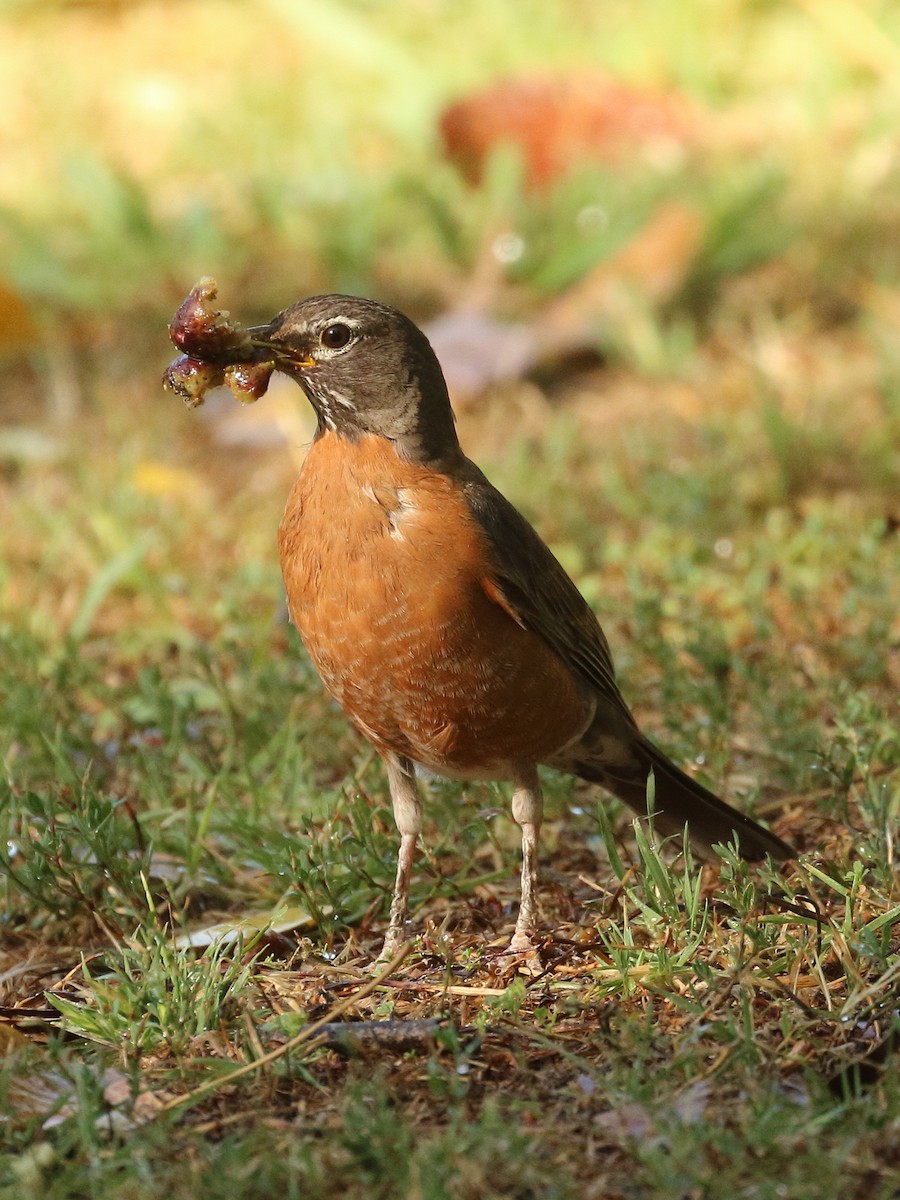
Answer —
560 122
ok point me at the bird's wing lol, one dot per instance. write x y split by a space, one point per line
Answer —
538 591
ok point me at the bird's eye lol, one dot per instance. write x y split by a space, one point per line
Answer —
335 337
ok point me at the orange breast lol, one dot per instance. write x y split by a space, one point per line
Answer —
389 583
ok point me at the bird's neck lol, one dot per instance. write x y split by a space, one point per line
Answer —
444 454
418 420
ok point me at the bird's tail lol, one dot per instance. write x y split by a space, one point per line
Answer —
680 800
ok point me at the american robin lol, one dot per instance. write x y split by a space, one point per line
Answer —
435 614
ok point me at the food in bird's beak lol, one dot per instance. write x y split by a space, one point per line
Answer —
191 378
208 333
248 381
216 351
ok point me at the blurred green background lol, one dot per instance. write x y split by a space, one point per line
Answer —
668 299
694 232
737 275
290 147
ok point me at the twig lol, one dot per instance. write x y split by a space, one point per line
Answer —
355 1035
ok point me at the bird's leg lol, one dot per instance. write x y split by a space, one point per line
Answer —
528 811
408 815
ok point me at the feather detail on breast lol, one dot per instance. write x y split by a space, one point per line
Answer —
390 582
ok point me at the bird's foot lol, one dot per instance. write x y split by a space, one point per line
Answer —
394 940
521 956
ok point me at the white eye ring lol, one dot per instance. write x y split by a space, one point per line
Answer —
336 336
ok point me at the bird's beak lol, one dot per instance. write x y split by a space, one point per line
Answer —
260 335
282 355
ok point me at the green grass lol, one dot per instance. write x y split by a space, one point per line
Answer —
198 851
163 778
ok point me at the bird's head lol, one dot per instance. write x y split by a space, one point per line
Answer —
365 368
